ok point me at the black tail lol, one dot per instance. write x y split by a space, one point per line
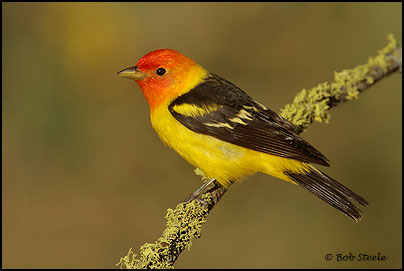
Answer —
331 191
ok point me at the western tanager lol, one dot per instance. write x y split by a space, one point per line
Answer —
221 130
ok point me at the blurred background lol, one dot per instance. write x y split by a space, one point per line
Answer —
85 177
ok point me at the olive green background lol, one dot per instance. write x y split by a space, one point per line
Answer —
85 177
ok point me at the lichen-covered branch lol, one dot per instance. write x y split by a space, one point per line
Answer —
185 222
314 104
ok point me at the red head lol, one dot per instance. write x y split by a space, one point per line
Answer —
163 75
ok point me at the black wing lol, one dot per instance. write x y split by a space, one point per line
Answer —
217 108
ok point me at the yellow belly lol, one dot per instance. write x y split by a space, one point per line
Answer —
223 161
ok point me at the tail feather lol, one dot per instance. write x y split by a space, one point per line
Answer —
331 191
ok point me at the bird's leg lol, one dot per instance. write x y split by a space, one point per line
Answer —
214 187
201 190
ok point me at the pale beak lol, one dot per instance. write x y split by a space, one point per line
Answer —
131 73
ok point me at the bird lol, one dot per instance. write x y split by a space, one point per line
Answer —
220 129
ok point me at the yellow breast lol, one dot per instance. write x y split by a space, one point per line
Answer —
217 159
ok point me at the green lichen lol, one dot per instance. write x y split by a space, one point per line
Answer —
183 224
199 172
128 261
313 104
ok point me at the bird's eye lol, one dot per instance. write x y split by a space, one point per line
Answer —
161 71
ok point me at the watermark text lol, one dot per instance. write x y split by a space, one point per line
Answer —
350 257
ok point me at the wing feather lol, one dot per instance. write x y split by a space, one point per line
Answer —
220 109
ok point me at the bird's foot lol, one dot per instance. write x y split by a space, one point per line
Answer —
201 190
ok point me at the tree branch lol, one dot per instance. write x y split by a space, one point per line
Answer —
185 222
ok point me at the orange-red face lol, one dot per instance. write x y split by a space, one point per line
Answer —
159 73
